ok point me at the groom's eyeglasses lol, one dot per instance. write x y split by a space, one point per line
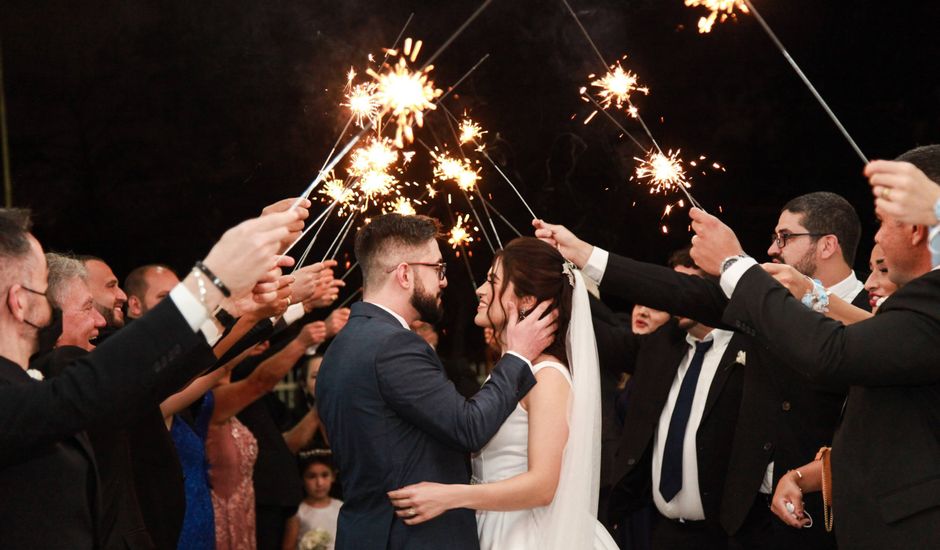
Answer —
440 266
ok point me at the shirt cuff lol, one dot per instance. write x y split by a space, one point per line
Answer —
731 276
211 332
312 350
293 313
190 307
596 264
527 362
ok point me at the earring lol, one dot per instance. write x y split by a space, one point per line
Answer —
522 315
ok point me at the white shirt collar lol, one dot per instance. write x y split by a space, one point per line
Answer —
393 314
718 336
848 288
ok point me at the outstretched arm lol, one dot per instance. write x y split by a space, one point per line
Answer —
230 399
548 433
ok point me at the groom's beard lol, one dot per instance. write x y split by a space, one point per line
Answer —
429 309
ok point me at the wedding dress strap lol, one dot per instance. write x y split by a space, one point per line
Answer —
554 365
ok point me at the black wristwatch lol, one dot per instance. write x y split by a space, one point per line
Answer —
225 318
730 261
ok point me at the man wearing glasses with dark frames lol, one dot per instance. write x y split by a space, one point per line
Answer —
817 234
393 417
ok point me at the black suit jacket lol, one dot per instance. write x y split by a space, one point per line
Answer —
394 419
39 423
783 418
653 361
886 454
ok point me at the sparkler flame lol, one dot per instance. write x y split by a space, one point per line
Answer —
720 10
404 93
460 171
377 156
362 102
403 206
460 233
470 131
616 87
374 184
663 172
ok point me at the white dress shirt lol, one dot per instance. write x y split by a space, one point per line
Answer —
687 504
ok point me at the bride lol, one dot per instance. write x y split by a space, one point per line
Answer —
535 484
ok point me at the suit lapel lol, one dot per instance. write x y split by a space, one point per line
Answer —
727 365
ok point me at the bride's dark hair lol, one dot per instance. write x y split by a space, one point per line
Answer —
535 269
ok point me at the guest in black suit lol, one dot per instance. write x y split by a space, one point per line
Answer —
783 418
886 454
39 421
392 416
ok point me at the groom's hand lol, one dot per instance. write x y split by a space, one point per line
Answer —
530 336
571 247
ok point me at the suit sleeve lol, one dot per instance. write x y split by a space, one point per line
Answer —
896 347
130 368
413 382
616 343
662 288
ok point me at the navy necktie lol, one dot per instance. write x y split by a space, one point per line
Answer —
670 476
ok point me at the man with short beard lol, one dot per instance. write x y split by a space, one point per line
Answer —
392 416
109 298
818 235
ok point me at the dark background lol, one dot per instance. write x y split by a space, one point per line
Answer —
139 131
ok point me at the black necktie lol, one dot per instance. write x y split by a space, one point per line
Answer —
670 478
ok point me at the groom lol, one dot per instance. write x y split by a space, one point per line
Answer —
392 416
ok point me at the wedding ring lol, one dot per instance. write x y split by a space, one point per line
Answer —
412 512
886 193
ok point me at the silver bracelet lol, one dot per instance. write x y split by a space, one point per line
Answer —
202 286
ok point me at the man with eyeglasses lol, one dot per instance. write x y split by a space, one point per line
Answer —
392 416
818 234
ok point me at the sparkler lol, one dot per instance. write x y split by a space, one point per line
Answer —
362 102
720 10
664 171
723 9
470 131
406 94
460 233
377 156
616 87
403 206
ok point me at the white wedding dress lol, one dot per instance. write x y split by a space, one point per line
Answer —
505 456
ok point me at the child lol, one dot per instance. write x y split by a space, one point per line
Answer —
316 517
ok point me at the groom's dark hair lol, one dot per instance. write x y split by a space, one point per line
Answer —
380 237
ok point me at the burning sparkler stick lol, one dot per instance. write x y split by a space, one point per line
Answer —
499 214
806 81
340 237
660 168
349 298
349 271
720 10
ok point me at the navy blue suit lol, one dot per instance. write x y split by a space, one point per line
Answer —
394 419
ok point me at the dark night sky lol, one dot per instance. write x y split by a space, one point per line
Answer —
139 131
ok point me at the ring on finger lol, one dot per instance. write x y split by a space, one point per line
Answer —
886 193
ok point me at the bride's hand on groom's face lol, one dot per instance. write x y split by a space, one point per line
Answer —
568 244
530 336
423 501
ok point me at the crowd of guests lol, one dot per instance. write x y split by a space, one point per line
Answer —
136 436
745 405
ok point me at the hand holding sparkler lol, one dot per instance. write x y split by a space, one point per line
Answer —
713 242
568 244
297 226
903 192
